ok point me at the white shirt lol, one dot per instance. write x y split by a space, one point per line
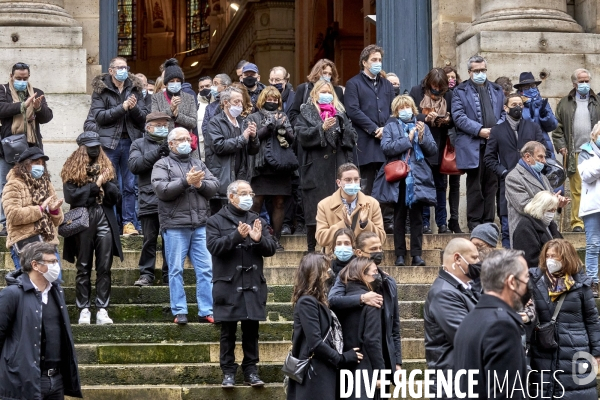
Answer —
44 293
465 285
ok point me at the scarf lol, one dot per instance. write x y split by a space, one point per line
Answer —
559 284
332 135
433 103
531 171
24 122
40 191
418 153
93 171
156 138
327 111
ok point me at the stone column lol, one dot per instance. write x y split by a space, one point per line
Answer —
35 13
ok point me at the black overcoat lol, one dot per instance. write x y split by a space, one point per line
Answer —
301 96
143 154
531 235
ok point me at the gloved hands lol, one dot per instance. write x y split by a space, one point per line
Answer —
543 109
164 150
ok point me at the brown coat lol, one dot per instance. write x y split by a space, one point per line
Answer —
330 218
21 213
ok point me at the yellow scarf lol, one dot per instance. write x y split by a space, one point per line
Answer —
559 285
23 122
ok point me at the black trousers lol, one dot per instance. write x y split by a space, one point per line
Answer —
454 196
151 230
249 347
96 240
368 173
311 238
415 212
482 184
294 212
51 387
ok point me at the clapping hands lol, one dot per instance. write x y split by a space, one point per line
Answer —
255 231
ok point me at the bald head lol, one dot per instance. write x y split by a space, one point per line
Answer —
459 253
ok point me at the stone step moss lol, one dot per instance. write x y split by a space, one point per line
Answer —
195 352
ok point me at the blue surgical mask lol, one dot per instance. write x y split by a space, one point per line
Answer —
214 91
343 253
532 93
325 98
538 166
37 171
184 148
326 78
405 115
20 86
375 68
598 142
352 189
174 87
246 202
144 92
122 75
161 131
583 88
479 78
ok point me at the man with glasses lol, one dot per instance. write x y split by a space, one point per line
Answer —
280 78
238 239
477 106
348 207
145 152
119 109
183 186
577 113
22 109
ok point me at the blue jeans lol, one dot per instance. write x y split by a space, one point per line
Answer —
505 231
180 243
592 245
4 170
119 158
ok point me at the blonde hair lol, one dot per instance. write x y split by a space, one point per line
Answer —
403 101
541 202
595 132
158 85
314 95
269 91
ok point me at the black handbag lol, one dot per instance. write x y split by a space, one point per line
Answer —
282 160
13 146
545 333
76 220
295 368
18 246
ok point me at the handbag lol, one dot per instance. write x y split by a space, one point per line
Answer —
295 368
76 220
396 170
13 146
282 160
448 163
545 333
18 246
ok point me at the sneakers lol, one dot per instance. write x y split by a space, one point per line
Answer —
207 319
228 381
129 230
143 281
102 317
253 380
595 289
181 319
85 317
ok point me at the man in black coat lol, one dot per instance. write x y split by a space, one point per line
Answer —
503 150
238 239
495 348
37 354
449 300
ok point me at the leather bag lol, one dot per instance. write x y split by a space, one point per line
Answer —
13 146
545 333
448 163
397 170
76 220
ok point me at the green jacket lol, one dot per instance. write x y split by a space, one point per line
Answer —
563 134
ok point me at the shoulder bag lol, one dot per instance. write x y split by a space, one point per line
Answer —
13 146
75 221
397 170
545 333
448 162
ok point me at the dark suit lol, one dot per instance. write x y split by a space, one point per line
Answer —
495 346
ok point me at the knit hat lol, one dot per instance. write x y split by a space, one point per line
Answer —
488 233
172 70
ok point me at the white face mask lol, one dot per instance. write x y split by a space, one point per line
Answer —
53 272
548 217
553 265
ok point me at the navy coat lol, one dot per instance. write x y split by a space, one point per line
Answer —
368 108
395 144
531 112
468 119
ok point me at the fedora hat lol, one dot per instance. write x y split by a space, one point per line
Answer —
526 78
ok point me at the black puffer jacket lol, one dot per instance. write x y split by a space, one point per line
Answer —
108 111
577 329
143 154
181 205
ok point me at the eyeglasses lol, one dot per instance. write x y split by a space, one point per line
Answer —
351 180
478 71
236 103
276 80
186 139
524 283
121 67
251 194
46 262
159 126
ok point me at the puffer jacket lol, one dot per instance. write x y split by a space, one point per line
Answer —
181 205
143 154
531 111
21 213
589 170
577 329
108 111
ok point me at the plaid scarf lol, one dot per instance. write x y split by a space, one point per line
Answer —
559 284
40 191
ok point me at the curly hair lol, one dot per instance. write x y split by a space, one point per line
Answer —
74 170
23 168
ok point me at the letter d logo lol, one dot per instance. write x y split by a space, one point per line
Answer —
584 368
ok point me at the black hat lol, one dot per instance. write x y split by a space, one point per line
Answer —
172 70
526 78
33 153
89 139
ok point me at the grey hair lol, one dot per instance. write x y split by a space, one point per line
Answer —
233 186
224 78
388 74
174 133
279 68
111 64
530 147
476 59
541 202
579 71
226 94
498 266
35 252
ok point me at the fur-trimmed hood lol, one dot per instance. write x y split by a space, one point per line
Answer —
100 82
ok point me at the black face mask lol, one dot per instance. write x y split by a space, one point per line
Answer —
377 283
377 257
515 112
249 81
93 152
279 86
525 297
270 106
474 271
396 90
435 92
205 92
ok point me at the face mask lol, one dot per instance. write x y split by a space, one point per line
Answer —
548 217
523 298
451 83
515 112
205 92
583 88
161 131
249 81
37 171
246 202
93 152
396 90
122 75
553 265
377 257
532 93
174 87
20 86
538 166
326 78
474 270
150 92
144 92
214 91
598 142
235 111
184 148
325 98
479 78
377 283
343 253
279 86
375 68
270 106
405 115
53 272
435 92
351 189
